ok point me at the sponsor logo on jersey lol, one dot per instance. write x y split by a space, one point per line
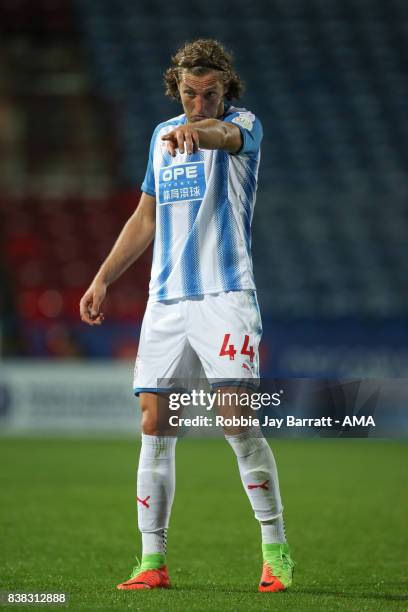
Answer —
182 183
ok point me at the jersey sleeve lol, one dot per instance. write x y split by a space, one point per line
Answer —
251 131
148 185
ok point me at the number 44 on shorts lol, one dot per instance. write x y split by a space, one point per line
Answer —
229 349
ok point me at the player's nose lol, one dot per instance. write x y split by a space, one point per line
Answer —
199 105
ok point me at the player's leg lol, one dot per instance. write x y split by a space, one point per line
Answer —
155 492
155 477
227 342
161 349
259 476
256 464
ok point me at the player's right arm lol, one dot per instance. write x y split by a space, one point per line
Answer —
133 240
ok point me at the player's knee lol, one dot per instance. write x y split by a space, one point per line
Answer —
154 421
150 424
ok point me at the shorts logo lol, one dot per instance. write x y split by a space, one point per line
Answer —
245 119
182 183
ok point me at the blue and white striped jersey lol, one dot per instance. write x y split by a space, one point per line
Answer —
204 208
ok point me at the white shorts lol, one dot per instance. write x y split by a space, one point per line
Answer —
213 336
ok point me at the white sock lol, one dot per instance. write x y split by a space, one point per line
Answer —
155 490
259 476
155 542
273 532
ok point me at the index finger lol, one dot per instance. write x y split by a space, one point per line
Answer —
171 147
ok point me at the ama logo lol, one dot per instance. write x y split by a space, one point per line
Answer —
182 183
359 421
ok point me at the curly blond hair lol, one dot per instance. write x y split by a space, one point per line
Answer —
198 57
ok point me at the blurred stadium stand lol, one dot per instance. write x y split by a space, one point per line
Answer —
327 78
80 94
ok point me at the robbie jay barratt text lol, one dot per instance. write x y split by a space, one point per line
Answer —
289 421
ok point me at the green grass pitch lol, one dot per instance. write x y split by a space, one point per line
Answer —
68 517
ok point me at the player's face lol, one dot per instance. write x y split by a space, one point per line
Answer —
202 96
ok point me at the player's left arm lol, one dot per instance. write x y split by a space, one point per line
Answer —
206 134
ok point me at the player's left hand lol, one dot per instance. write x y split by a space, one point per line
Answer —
184 138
